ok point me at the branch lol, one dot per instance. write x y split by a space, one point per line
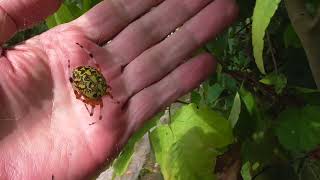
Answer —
307 28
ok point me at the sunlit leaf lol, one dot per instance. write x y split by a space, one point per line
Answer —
188 150
235 111
249 101
245 171
263 12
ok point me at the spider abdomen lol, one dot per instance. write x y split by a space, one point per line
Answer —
89 82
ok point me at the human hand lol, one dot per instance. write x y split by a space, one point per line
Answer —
45 130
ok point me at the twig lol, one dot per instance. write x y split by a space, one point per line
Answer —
266 90
272 54
240 30
181 102
262 171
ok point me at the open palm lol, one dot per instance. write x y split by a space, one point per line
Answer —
45 129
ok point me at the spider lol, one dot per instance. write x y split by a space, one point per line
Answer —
89 85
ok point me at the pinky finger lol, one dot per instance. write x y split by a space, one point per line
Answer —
183 79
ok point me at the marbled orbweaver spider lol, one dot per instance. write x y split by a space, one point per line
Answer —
89 85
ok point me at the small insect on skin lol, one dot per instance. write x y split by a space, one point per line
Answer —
89 84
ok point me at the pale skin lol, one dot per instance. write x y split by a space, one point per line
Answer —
45 129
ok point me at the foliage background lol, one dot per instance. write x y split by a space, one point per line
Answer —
258 117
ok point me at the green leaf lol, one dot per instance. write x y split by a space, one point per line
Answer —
246 125
227 82
279 81
120 165
219 45
214 92
63 15
291 38
245 171
249 101
260 149
235 111
188 150
263 12
310 96
195 97
86 5
70 10
306 90
51 22
75 11
299 128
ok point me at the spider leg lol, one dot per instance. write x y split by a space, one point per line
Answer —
112 98
109 93
98 67
101 107
78 95
90 55
87 108
69 66
69 71
92 123
86 102
92 110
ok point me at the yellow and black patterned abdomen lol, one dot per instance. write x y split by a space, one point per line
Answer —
89 82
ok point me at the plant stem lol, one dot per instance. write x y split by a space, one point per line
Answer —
272 54
181 102
240 30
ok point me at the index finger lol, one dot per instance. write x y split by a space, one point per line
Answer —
109 17
18 14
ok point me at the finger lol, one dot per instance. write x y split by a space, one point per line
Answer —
16 15
158 61
153 27
109 17
186 77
